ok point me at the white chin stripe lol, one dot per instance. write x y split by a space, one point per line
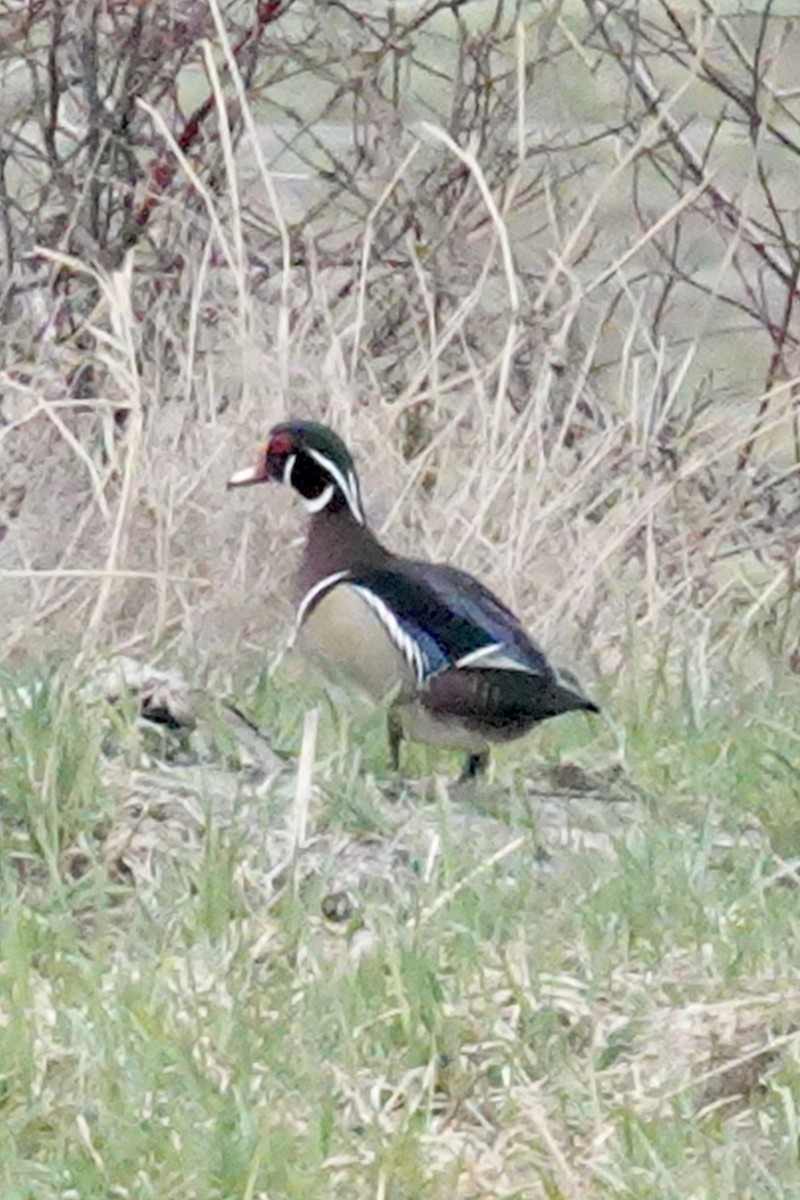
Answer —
288 468
321 501
348 487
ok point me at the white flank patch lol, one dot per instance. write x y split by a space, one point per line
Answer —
494 657
405 643
310 596
348 487
321 501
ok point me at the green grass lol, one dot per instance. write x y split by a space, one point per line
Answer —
505 1016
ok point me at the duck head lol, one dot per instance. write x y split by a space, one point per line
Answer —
313 460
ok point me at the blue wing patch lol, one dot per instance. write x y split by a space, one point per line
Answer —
451 618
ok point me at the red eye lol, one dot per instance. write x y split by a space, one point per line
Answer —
280 444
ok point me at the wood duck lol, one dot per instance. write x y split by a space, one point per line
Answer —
454 664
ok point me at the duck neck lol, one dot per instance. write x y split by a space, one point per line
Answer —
337 542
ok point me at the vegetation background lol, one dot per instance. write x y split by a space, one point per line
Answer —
538 263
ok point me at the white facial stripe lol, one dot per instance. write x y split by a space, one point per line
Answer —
288 468
311 595
321 501
355 490
494 657
404 642
348 487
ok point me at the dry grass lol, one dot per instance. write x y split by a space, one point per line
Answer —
613 465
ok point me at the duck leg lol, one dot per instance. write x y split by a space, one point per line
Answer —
394 731
474 765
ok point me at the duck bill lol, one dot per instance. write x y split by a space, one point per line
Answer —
246 477
255 474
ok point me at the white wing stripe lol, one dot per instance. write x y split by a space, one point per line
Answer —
405 643
311 595
494 657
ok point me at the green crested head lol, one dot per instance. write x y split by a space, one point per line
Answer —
314 437
313 460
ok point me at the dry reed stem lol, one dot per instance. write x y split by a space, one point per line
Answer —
194 179
468 159
305 780
444 898
366 249
687 201
521 492
283 329
117 291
